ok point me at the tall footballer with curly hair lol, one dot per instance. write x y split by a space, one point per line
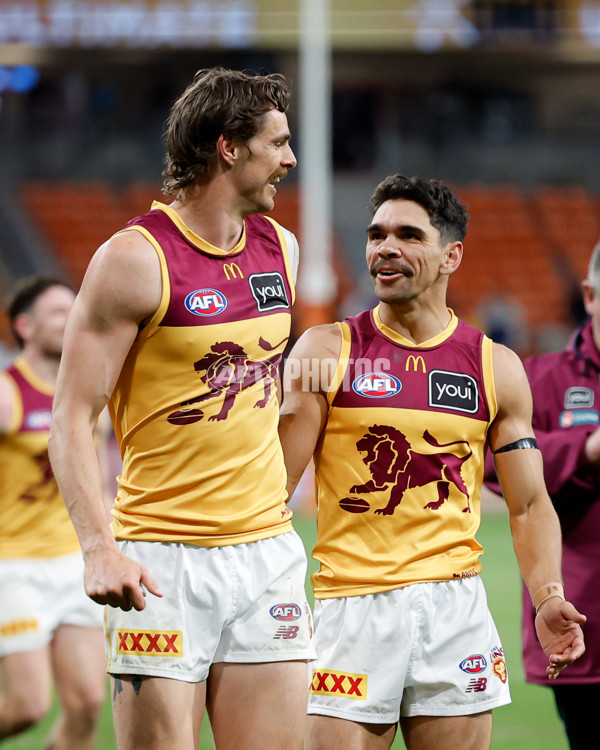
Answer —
179 326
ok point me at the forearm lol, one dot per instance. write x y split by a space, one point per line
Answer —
537 543
75 464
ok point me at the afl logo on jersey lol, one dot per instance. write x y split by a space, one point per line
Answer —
206 302
377 385
40 419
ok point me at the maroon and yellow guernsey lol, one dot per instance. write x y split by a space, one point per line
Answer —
33 518
195 407
399 465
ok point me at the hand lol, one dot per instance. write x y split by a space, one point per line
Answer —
115 579
558 627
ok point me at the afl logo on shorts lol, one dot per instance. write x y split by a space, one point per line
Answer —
473 664
377 385
206 302
286 612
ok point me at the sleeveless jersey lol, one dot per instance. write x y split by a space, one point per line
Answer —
195 408
399 465
34 521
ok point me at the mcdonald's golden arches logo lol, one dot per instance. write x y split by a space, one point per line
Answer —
416 362
232 271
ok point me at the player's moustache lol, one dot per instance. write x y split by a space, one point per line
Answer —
393 266
278 176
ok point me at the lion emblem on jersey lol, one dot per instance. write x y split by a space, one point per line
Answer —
227 369
395 466
44 487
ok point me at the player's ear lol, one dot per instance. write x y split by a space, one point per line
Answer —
23 325
589 295
453 253
228 149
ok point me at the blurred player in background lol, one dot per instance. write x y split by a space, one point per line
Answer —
566 418
49 629
397 404
180 325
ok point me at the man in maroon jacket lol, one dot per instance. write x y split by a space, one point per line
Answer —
566 420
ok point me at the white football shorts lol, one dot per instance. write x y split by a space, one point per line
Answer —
428 649
39 594
241 603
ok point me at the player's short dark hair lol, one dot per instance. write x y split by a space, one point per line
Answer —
217 102
24 295
446 213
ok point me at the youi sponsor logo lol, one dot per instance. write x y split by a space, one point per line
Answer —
268 289
453 390
579 397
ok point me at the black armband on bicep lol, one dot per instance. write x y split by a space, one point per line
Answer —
518 445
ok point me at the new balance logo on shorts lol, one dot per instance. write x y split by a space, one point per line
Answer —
286 632
340 684
477 685
150 642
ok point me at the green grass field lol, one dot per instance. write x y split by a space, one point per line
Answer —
529 723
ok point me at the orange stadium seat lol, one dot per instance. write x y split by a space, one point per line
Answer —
569 223
505 256
139 196
76 218
5 332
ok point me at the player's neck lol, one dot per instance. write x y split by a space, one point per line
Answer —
43 365
415 322
209 212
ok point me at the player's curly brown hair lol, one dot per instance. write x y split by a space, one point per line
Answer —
217 102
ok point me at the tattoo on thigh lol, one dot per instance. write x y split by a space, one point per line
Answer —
136 684
117 687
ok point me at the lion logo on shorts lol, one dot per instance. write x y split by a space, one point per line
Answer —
395 466
227 369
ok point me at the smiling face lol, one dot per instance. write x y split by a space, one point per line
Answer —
406 255
263 161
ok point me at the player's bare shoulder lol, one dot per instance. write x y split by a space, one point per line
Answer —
323 341
312 361
123 280
8 396
510 379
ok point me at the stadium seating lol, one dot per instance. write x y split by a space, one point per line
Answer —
569 223
75 218
506 256
530 248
